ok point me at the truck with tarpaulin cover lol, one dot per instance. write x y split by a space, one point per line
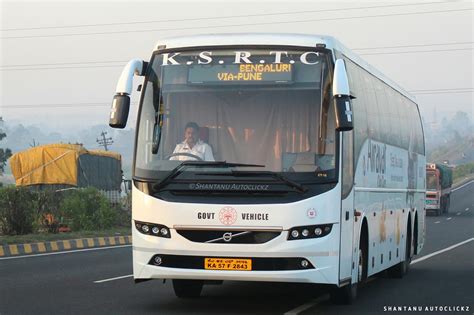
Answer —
68 166
439 179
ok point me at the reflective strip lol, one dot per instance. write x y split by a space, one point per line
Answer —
66 245
112 240
79 243
121 240
27 248
13 249
90 242
101 241
54 246
41 247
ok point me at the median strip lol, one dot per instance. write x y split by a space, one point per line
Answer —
13 250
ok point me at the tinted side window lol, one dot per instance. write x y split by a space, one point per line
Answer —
359 104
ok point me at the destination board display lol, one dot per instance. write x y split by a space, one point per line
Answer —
241 73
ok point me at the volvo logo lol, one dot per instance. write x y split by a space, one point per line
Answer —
227 237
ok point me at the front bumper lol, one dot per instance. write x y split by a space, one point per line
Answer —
320 252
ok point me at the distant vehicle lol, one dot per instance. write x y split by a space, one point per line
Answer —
62 166
439 179
317 171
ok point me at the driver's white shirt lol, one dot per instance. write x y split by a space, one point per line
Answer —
201 149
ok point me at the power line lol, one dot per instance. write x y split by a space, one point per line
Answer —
441 92
41 66
61 63
222 17
414 51
235 25
103 104
418 45
51 68
431 90
121 62
57 105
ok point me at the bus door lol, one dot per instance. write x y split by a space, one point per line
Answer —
347 207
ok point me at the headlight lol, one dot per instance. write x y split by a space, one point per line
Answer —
309 231
153 229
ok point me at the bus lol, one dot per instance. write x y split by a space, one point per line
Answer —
271 157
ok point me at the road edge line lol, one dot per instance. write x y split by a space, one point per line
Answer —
308 305
112 279
442 251
64 252
463 185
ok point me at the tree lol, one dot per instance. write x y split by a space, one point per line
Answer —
4 153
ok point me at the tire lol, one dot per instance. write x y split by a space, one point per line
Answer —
187 288
347 295
401 269
447 203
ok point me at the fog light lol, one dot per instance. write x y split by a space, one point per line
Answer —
304 263
295 233
158 260
305 232
326 229
318 231
145 228
164 231
155 230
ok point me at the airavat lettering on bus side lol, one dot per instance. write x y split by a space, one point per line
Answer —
271 157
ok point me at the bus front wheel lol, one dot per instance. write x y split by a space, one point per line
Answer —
187 288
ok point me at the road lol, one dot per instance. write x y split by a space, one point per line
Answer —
68 283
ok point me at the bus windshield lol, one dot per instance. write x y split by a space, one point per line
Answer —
266 107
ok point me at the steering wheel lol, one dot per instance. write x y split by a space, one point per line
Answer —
184 154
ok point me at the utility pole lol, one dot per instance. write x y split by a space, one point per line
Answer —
104 142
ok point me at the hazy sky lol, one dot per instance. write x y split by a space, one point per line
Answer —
38 50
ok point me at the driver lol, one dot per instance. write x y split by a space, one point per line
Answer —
192 145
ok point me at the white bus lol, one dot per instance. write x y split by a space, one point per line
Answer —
271 157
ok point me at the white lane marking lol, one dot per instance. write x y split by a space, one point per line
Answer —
436 222
470 182
467 209
112 279
65 252
308 305
459 213
442 251
448 218
312 303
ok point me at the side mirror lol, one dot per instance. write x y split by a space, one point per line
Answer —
119 111
342 97
121 102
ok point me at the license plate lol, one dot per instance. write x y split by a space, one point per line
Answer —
431 202
227 264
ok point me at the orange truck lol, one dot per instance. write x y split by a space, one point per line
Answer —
439 179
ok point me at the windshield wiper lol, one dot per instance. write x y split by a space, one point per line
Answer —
181 167
300 188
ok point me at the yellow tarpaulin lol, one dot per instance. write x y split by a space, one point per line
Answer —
50 164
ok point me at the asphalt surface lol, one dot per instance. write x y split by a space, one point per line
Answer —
64 283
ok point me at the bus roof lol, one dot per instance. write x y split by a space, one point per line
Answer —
283 39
